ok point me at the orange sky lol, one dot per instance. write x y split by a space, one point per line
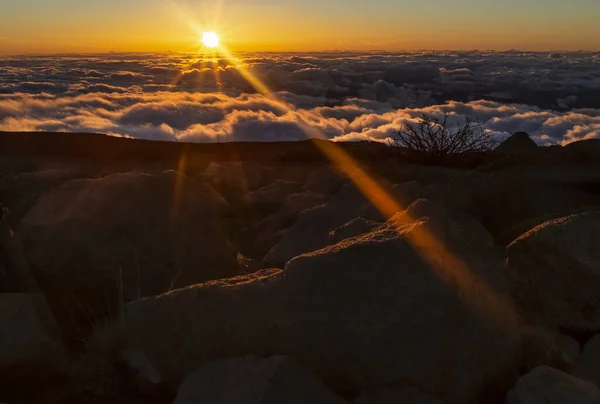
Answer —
42 26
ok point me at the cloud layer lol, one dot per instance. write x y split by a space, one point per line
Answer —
556 98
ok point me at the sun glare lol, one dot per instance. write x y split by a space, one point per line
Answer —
210 39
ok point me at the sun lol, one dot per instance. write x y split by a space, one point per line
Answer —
210 39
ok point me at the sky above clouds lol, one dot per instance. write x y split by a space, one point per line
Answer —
59 26
347 95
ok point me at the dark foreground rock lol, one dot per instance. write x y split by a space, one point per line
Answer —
542 347
550 386
398 395
271 197
517 142
370 311
529 188
33 362
252 380
554 271
351 229
233 180
257 238
20 191
311 229
95 243
15 274
588 365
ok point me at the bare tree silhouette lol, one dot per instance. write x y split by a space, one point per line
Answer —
435 138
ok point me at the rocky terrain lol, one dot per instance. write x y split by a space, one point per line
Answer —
149 272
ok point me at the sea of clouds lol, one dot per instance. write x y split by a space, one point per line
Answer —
348 96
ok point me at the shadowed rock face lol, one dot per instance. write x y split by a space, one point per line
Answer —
271 197
256 239
542 347
517 142
554 270
92 243
512 201
32 358
366 306
311 229
233 180
547 385
399 395
252 380
588 365
20 191
351 229
366 312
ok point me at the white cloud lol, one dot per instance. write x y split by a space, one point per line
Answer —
348 96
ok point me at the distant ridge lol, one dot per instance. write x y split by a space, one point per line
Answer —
96 147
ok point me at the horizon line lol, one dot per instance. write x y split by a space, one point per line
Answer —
509 50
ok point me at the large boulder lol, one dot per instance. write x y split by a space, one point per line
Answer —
298 203
233 180
542 347
554 270
398 395
15 274
407 192
311 230
393 306
584 153
20 191
550 386
222 207
33 362
588 365
271 197
325 181
511 201
351 229
257 238
93 244
252 380
517 142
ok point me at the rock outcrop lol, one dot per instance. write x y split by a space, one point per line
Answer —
270 197
233 180
95 243
550 386
15 273
367 312
542 347
311 230
554 270
588 365
517 142
538 186
351 229
20 191
252 380
256 239
32 358
325 181
398 395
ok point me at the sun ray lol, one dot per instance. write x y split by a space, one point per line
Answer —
217 73
446 264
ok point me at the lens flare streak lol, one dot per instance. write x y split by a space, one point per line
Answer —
447 265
